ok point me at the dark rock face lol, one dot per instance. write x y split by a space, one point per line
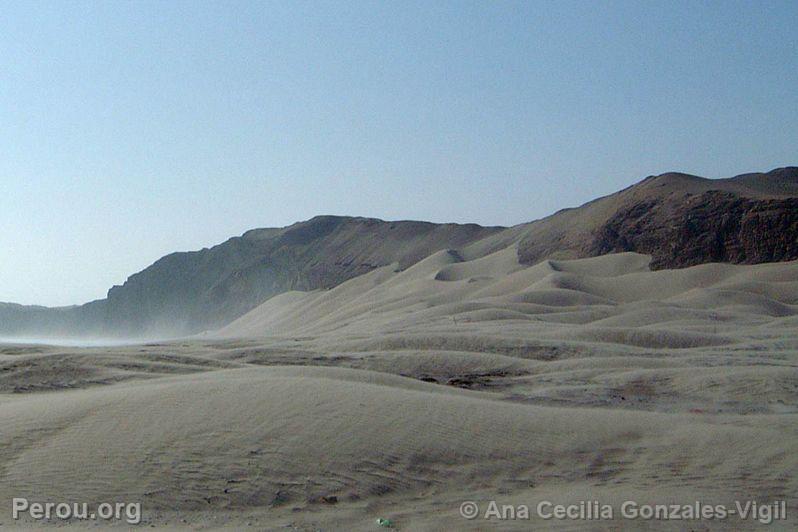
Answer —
715 226
679 219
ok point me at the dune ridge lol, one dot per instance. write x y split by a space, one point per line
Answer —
678 219
405 391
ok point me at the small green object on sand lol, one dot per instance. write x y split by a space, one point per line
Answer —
387 523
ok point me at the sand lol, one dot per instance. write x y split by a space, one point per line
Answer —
402 393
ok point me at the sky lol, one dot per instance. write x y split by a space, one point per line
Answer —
129 130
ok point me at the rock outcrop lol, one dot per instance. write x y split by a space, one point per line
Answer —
184 293
714 226
679 219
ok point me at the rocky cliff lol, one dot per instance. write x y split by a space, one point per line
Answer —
679 219
714 226
185 293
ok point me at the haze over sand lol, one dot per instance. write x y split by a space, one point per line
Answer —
401 394
679 220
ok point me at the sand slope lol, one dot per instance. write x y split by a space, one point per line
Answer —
276 438
609 297
402 393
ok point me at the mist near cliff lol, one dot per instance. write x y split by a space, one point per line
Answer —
75 341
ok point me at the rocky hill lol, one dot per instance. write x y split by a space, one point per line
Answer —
678 219
189 292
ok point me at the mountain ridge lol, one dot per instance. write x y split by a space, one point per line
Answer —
679 219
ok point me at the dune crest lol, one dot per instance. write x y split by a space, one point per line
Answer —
404 391
603 298
678 219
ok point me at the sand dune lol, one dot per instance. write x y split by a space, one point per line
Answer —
402 393
495 288
279 438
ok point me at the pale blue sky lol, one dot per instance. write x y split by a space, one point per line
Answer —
132 129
